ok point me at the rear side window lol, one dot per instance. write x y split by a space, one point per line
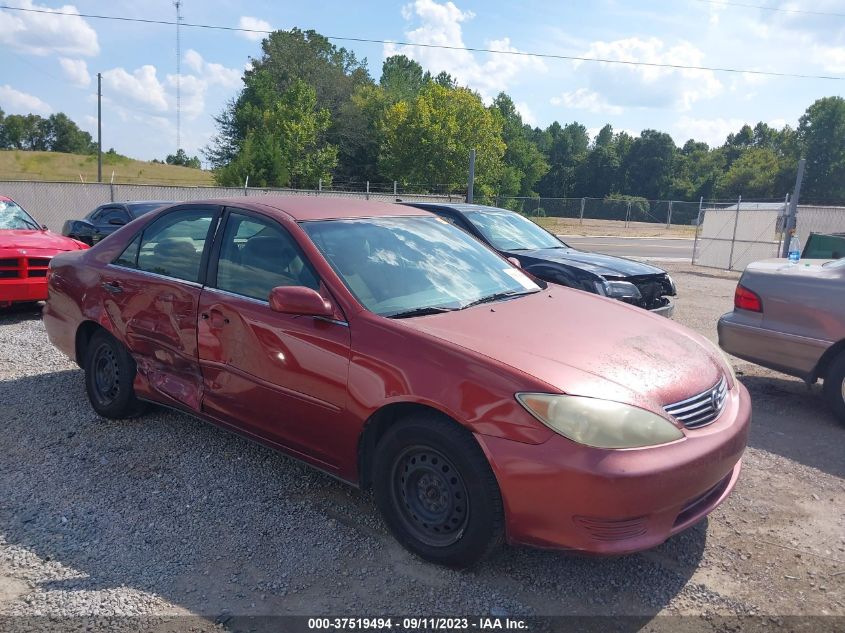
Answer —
256 255
172 245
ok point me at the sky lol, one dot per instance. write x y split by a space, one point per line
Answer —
50 62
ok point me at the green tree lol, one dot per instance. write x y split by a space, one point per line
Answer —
284 143
524 164
182 159
649 165
64 135
288 57
565 149
821 134
758 173
402 78
428 139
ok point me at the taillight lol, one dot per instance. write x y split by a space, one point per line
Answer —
745 299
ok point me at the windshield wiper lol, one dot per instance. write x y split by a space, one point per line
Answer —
420 312
498 297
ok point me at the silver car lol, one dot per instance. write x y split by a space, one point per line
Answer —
790 317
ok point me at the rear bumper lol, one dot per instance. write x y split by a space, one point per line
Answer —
561 495
787 353
18 290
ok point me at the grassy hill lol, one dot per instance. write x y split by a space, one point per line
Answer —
24 165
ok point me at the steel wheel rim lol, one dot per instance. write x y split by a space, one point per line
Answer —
430 496
842 389
106 375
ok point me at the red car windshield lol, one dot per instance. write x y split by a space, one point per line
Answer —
13 217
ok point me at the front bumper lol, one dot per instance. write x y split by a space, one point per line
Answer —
562 495
20 290
666 310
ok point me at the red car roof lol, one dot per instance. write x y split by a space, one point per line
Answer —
320 207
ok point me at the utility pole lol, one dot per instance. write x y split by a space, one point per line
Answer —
789 222
178 5
99 127
471 180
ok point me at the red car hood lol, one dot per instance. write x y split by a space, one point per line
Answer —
587 345
36 240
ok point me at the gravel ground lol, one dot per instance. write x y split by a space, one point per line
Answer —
168 516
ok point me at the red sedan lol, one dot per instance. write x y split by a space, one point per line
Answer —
26 249
390 349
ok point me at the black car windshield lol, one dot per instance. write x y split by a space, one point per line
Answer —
509 231
405 265
13 217
137 210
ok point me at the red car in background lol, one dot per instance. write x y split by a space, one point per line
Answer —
26 249
393 350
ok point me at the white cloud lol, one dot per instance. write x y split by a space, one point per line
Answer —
649 86
17 102
76 70
253 24
711 131
47 33
212 73
441 24
207 74
526 113
584 99
831 58
141 87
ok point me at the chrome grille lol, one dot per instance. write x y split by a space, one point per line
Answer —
702 409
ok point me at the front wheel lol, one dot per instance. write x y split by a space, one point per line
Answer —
834 387
436 491
109 374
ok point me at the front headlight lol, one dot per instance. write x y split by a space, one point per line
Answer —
599 423
623 290
672 285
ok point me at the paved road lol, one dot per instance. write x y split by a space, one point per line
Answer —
650 247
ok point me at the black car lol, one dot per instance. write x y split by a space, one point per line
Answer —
547 257
107 218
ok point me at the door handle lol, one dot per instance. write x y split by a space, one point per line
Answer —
112 286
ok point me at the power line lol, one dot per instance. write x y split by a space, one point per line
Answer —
444 47
773 9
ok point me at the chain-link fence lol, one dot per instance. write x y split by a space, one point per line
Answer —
628 210
52 203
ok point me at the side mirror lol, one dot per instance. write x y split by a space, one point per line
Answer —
117 221
299 300
515 262
44 227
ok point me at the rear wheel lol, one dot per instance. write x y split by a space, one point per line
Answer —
436 491
834 387
109 374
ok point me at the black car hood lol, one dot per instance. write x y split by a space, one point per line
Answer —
604 265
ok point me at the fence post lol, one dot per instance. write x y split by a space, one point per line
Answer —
697 229
781 233
627 213
368 190
733 239
111 190
581 215
394 191
669 216
320 185
538 206
790 222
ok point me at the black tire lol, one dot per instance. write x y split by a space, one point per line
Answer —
109 374
437 492
834 387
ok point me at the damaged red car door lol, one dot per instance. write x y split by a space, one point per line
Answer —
153 293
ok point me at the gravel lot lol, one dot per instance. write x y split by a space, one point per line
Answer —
165 515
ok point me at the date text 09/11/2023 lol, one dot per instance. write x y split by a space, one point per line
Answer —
418 624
